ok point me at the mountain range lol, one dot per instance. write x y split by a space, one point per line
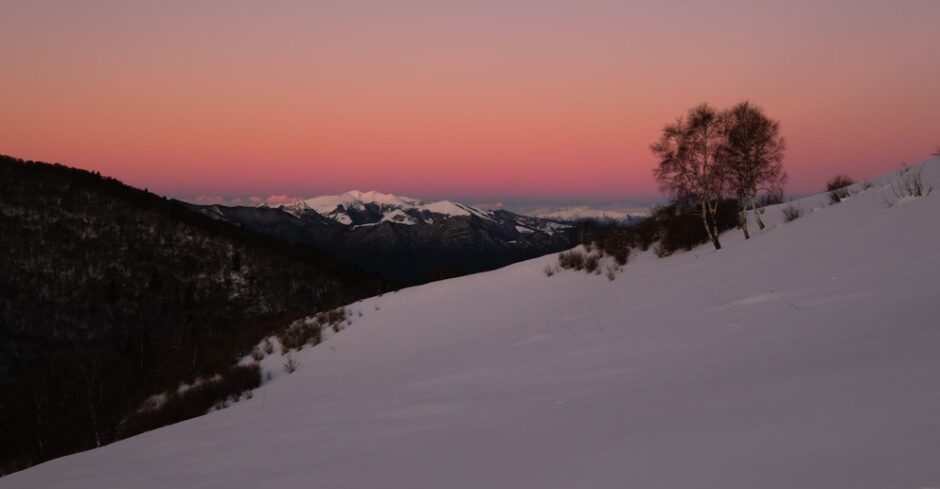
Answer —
405 240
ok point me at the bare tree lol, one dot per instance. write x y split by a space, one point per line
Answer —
752 154
689 165
92 383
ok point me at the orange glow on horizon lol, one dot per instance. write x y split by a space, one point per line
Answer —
530 99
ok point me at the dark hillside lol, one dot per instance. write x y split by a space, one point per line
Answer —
109 294
409 254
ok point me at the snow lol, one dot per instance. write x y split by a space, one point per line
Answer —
398 216
446 208
355 199
395 207
586 212
806 357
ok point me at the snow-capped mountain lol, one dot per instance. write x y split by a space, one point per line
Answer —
805 357
358 208
584 213
406 240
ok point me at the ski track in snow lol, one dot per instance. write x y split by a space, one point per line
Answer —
806 357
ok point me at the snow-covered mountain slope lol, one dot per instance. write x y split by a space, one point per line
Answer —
805 357
360 208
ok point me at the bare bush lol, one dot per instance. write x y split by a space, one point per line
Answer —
591 262
300 333
230 385
268 346
290 364
910 183
770 198
257 354
611 273
838 188
661 251
571 260
549 270
792 212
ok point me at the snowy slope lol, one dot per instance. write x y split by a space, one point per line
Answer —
806 357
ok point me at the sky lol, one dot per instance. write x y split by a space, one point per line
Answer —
481 101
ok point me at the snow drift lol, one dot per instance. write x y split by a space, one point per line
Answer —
807 356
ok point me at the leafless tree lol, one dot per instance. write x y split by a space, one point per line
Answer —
91 378
752 155
689 167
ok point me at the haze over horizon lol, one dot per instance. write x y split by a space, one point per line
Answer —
473 101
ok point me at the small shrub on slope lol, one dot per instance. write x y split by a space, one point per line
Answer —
290 365
792 212
591 261
910 183
571 260
838 188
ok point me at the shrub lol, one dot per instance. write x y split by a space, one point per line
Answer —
571 260
290 365
661 251
681 225
837 182
910 183
591 262
300 333
838 188
792 212
770 198
310 330
611 273
621 255
674 227
549 270
231 384
257 354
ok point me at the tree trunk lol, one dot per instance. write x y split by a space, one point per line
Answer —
742 217
712 231
715 231
760 222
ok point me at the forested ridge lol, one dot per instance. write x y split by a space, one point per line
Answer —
109 294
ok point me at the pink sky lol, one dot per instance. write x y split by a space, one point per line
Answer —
475 99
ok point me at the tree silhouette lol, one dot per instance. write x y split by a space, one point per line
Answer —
690 169
752 155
